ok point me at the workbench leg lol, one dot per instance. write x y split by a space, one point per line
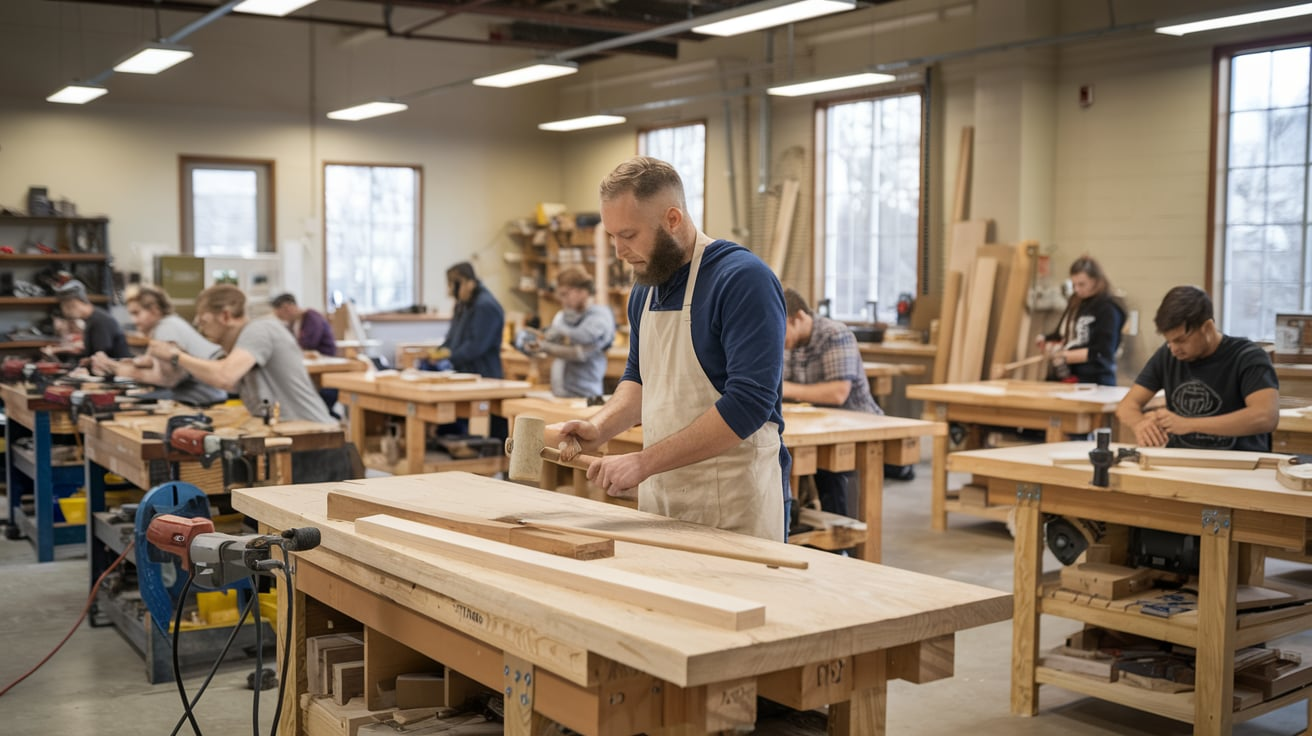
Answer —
521 720
416 444
938 510
289 723
1215 669
866 713
1053 433
43 489
356 417
1025 617
870 505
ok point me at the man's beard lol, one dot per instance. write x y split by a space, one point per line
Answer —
666 258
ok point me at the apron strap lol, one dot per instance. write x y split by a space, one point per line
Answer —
693 269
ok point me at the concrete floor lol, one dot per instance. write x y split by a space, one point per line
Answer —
97 684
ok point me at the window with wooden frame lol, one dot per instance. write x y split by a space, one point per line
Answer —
1260 239
683 146
227 206
870 203
371 235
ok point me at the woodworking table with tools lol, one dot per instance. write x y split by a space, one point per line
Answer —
624 640
537 371
34 475
1240 513
1056 409
420 398
322 364
207 453
818 438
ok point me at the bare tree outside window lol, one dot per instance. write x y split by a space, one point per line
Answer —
1267 267
371 235
871 220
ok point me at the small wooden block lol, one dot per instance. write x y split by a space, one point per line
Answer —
923 661
809 686
1106 581
420 690
838 458
730 705
905 451
974 496
804 460
348 681
331 657
314 648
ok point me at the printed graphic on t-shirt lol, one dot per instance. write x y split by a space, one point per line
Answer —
1080 338
1197 399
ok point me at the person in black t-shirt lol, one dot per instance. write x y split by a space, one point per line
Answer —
102 333
1221 391
1083 347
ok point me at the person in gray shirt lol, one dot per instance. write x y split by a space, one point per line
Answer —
152 313
263 364
578 338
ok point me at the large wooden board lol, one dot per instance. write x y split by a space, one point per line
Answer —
974 328
1010 306
838 607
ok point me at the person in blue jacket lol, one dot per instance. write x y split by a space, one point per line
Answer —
473 342
705 368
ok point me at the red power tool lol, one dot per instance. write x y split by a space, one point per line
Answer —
217 559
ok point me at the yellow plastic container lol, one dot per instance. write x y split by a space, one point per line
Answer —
74 509
219 608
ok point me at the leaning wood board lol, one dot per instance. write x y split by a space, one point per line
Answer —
974 328
837 608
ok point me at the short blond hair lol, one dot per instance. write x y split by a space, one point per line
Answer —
646 178
220 298
150 297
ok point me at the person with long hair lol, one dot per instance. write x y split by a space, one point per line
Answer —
1083 347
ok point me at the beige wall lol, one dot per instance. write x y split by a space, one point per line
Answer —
1124 180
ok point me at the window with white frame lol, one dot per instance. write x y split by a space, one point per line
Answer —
1262 189
371 235
227 206
683 147
870 227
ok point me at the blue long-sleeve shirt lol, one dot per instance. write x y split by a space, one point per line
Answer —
474 337
737 334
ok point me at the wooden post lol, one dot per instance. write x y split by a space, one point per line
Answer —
1027 589
1215 666
870 505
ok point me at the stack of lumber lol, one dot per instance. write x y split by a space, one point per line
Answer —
984 322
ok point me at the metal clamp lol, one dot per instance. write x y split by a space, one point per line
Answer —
1028 493
1215 521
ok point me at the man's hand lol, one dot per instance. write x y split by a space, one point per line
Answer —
573 438
1171 422
618 475
103 365
1148 433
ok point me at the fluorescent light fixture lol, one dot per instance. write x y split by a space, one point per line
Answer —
271 7
368 110
1243 19
588 121
529 74
770 14
153 58
832 84
77 94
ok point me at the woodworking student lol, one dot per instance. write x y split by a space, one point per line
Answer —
152 313
704 369
822 366
264 365
1083 347
473 341
312 331
1221 391
100 334
578 338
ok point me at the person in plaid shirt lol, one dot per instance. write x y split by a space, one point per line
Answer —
822 366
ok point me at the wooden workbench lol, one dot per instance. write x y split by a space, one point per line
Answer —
818 439
1293 434
1295 379
420 403
1238 512
35 476
317 367
1057 409
537 371
834 633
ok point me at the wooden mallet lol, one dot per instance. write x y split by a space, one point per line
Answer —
527 450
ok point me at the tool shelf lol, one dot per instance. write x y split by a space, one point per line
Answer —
33 479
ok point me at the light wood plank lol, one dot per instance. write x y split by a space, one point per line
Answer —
675 599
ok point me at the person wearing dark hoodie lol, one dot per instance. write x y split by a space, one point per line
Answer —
1083 347
473 342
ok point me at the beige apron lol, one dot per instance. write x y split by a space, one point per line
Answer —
739 490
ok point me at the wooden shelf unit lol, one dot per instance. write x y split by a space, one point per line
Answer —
546 250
